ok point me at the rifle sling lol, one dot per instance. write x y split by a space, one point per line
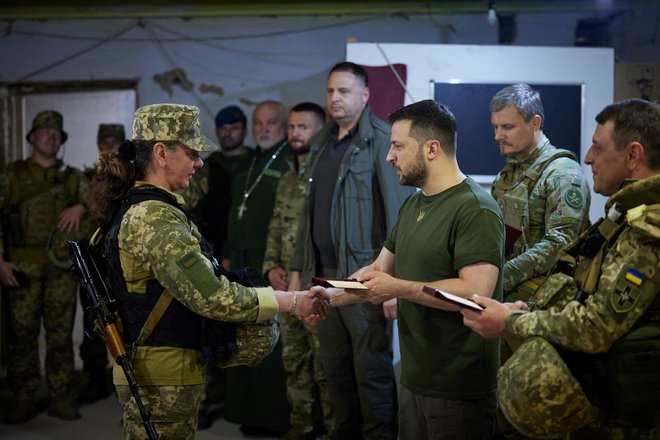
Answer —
156 313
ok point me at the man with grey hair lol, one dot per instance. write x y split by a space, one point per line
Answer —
541 190
253 190
587 364
256 396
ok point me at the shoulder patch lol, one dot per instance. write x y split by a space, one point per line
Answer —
574 198
628 287
199 272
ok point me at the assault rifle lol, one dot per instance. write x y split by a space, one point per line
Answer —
101 304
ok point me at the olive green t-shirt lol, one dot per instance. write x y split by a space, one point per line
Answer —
434 237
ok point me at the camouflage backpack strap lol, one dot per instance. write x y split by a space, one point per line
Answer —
534 173
583 258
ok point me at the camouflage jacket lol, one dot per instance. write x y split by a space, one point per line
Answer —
156 240
40 195
283 227
548 218
628 283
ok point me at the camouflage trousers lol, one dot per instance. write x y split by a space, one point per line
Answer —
305 379
173 411
51 296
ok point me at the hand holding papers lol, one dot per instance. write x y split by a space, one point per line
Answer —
454 299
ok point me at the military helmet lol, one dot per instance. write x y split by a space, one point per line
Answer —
57 247
539 395
111 130
254 341
48 119
171 122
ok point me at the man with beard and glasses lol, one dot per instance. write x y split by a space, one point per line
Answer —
449 235
311 411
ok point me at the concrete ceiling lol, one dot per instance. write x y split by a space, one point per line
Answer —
94 9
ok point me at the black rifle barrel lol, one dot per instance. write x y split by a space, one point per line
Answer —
93 284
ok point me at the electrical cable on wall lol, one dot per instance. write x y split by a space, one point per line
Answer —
154 39
77 54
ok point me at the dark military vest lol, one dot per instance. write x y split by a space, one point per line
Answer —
178 326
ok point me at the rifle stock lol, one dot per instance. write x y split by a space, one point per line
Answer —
100 299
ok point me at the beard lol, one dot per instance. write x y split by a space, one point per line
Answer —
302 150
228 144
417 174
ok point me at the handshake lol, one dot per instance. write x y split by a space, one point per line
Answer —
310 307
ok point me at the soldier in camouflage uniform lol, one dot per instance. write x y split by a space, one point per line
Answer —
42 198
588 363
159 249
306 387
543 195
541 190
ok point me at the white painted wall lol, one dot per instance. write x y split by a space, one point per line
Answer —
504 64
83 112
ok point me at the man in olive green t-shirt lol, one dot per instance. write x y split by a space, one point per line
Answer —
449 235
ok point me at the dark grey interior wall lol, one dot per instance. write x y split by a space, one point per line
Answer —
213 62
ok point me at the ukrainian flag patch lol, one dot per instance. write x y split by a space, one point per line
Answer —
634 277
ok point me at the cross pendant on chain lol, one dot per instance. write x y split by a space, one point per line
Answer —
242 208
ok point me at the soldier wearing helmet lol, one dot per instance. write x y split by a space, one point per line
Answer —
41 197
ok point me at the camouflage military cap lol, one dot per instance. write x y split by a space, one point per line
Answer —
48 119
111 130
539 395
171 122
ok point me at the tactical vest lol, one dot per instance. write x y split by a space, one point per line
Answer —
179 326
548 392
513 199
221 343
36 205
625 381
